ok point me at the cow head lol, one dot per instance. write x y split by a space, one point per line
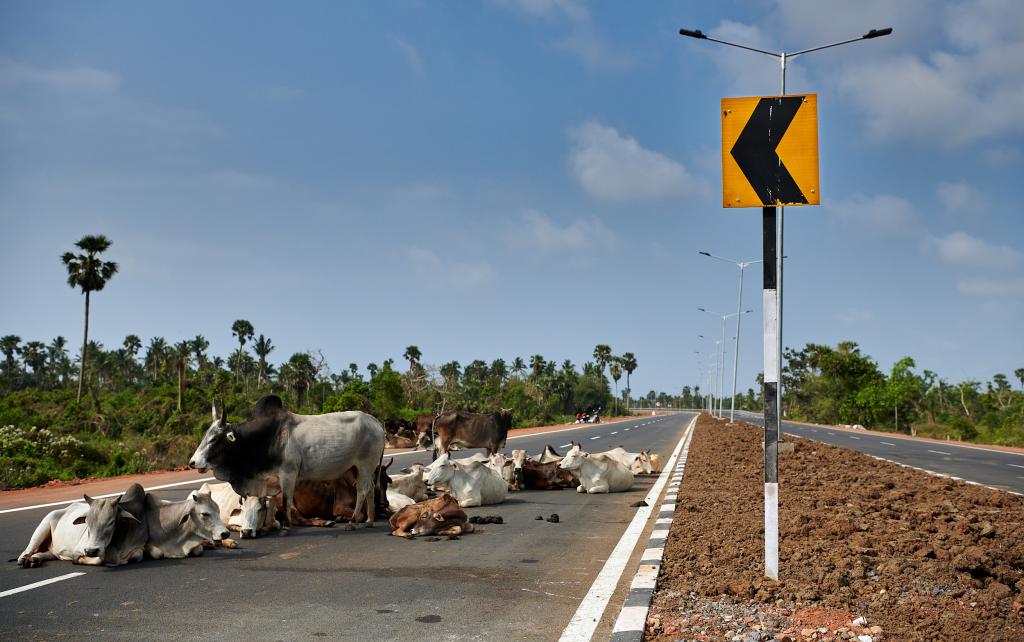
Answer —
254 516
645 461
574 458
518 459
203 517
100 524
218 438
441 471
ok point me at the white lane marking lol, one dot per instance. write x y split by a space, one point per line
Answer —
939 452
892 444
566 446
597 437
854 437
583 623
626 429
615 433
833 434
29 587
1015 465
72 501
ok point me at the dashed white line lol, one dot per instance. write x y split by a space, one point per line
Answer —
889 443
29 587
854 437
1015 465
939 452
566 446
598 437
615 432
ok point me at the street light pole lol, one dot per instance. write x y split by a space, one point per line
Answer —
773 298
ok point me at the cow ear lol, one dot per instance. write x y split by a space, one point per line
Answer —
184 519
438 517
79 520
241 500
88 500
125 516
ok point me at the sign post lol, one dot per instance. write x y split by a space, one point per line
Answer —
770 159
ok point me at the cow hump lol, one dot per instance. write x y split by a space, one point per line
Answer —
268 406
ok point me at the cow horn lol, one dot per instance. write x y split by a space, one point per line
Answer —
223 412
213 409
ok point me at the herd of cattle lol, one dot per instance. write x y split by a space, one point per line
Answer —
280 469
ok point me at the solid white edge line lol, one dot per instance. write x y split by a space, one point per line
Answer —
584 622
72 501
33 585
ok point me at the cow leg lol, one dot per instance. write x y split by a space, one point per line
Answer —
287 479
34 555
600 487
364 493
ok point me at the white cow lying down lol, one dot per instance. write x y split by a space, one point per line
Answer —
249 516
597 473
412 484
179 529
472 484
636 462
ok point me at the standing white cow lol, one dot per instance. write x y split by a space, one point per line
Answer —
276 448
597 473
472 484
248 516
179 529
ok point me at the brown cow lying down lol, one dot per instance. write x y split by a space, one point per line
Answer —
323 503
546 476
440 516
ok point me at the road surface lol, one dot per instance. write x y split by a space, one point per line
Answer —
521 580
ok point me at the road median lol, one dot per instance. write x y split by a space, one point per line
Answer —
913 555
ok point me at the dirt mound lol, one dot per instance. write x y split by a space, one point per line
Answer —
918 556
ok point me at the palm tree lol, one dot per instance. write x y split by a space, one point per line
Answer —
518 366
34 356
628 361
156 354
413 354
602 355
243 331
263 347
372 368
88 272
199 346
536 366
9 346
1019 373
182 357
615 370
58 356
499 370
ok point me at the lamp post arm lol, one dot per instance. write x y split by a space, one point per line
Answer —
733 44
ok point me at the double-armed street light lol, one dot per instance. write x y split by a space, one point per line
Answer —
773 245
743 265
721 370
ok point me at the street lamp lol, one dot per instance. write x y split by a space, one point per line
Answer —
771 454
743 265
713 371
721 373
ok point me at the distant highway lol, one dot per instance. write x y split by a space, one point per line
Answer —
998 469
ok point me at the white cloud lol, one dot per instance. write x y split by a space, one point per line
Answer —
963 250
960 196
411 55
433 271
883 214
988 287
614 167
540 234
68 79
573 9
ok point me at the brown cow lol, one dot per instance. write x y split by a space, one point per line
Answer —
472 430
322 503
549 476
441 516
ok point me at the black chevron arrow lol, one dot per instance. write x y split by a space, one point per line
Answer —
754 150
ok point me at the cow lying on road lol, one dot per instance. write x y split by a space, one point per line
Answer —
108 531
248 516
412 484
324 503
597 473
440 516
636 462
473 483
180 529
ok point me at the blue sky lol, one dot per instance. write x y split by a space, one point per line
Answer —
509 177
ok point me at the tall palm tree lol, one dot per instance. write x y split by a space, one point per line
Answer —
615 370
518 366
1019 373
412 354
9 345
58 355
199 347
263 347
88 272
628 361
243 331
602 355
537 365
182 357
156 354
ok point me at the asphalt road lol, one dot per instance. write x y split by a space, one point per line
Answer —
994 468
521 580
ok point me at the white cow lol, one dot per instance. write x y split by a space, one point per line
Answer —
100 531
412 484
472 484
597 473
179 529
248 516
636 462
397 501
